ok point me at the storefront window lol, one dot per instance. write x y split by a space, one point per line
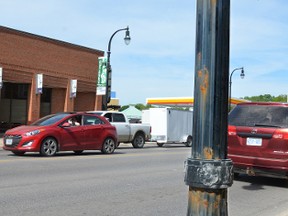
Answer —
13 105
45 106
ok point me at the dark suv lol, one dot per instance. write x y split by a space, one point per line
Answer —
258 139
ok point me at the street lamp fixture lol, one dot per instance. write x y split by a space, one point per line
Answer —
242 75
127 40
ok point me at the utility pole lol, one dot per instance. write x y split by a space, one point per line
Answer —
208 171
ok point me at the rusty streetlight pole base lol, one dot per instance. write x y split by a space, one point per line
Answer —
209 174
208 180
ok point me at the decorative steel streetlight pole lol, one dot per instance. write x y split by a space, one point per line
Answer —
127 40
242 75
209 173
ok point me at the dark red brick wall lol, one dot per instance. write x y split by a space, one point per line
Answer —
58 100
84 101
22 55
35 54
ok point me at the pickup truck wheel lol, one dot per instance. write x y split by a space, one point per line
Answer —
189 141
138 141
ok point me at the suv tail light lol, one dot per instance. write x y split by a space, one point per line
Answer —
231 130
280 134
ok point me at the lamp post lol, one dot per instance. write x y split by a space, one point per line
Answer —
242 75
109 69
208 171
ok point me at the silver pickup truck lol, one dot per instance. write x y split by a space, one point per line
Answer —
134 133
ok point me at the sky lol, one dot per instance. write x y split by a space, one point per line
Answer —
159 61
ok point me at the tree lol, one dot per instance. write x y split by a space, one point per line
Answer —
140 106
267 98
123 107
137 106
281 98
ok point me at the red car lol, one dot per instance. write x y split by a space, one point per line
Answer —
62 132
258 139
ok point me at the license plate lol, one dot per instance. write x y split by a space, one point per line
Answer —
8 142
254 141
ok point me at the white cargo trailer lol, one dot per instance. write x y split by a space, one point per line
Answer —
169 125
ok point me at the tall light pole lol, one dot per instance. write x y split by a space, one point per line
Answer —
109 69
242 75
209 172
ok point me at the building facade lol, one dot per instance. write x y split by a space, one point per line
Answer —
23 56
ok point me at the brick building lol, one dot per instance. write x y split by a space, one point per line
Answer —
23 56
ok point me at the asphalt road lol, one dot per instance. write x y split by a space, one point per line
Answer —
130 182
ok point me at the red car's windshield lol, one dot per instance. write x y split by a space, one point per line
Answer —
51 119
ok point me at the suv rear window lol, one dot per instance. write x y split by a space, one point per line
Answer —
259 115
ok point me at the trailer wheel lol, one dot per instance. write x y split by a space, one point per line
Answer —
189 141
160 144
139 140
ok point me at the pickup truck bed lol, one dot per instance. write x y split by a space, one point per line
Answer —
134 133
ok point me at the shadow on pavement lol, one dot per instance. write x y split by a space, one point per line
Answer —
86 153
258 182
152 145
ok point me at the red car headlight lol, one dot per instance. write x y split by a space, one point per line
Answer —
33 133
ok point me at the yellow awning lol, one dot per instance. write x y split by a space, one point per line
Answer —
181 101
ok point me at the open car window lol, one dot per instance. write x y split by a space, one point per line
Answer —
92 120
74 121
